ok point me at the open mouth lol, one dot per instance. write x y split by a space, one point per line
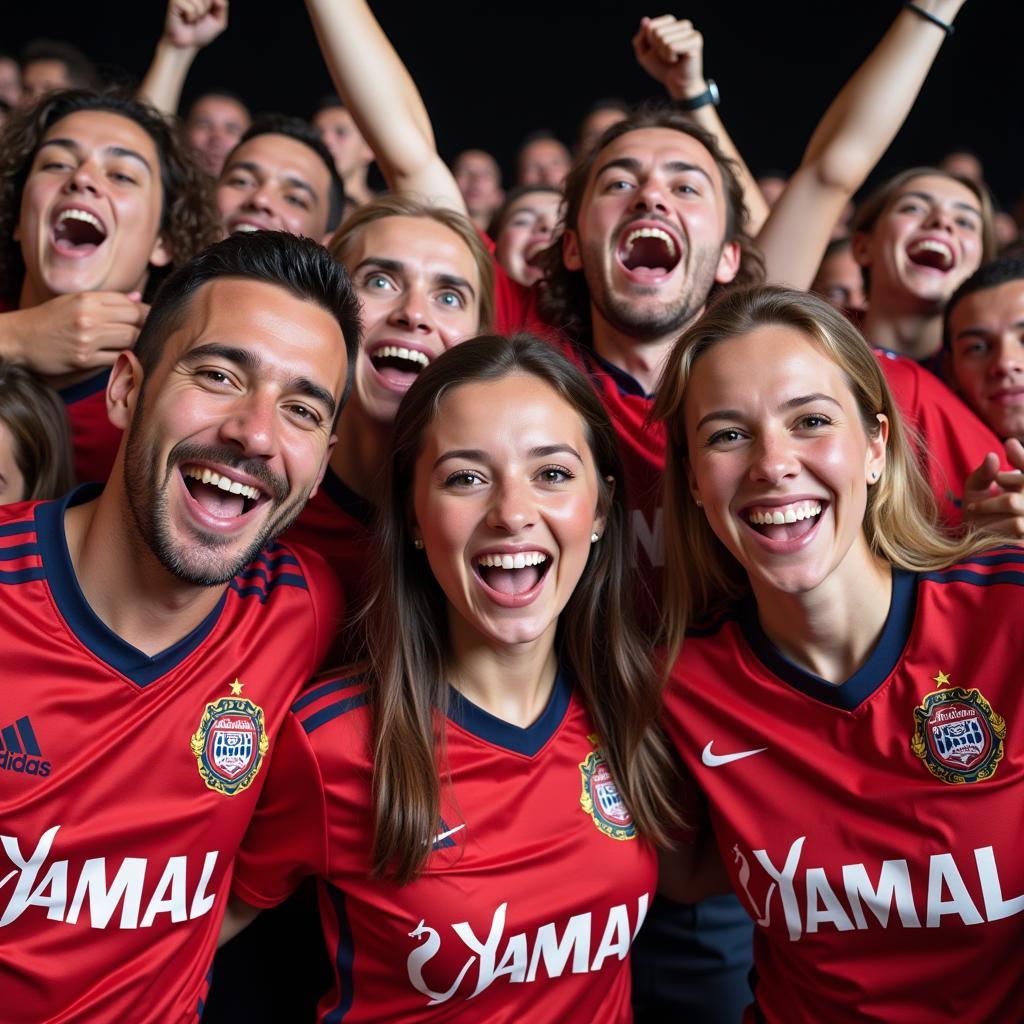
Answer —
245 227
512 575
784 522
649 251
219 495
398 365
930 253
78 231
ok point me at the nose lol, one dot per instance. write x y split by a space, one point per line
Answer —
650 197
939 216
1009 355
412 311
774 458
261 198
84 178
511 509
250 425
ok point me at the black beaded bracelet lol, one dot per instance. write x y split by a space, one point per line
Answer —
928 16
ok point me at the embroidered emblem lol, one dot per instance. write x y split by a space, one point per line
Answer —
958 735
600 797
230 744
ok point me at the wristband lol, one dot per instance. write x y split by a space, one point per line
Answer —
709 95
928 16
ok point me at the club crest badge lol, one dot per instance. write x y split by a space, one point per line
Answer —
600 798
958 735
230 744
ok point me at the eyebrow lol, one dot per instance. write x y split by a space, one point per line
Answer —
932 198
397 267
978 331
246 360
477 455
629 163
289 179
792 403
112 150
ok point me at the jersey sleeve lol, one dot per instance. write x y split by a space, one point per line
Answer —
287 837
328 600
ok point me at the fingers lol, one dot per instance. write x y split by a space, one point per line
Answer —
113 307
983 477
1015 453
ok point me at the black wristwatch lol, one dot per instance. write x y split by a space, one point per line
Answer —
709 95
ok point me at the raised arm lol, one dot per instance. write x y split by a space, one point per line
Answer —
672 52
385 103
189 26
849 140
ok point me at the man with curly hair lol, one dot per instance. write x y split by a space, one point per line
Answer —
97 197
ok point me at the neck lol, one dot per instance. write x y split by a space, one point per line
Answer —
832 630
362 449
642 360
913 329
124 583
356 187
513 682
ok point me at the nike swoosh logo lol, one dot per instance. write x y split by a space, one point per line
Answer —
717 760
442 836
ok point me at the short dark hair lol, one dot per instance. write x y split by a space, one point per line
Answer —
80 70
189 219
328 102
224 94
301 266
988 275
301 131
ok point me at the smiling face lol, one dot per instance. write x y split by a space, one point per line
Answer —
215 124
420 292
544 162
91 209
505 500
233 430
780 459
925 243
479 180
650 237
275 183
526 231
986 331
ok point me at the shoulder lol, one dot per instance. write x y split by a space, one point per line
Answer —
20 552
288 568
992 567
335 704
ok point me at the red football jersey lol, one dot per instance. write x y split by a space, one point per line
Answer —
127 781
872 829
954 440
532 896
94 439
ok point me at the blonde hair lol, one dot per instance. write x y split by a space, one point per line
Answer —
393 205
701 576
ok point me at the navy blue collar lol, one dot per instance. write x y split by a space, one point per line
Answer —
82 620
626 383
463 712
354 505
85 388
869 677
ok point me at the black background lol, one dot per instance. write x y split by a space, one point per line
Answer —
490 73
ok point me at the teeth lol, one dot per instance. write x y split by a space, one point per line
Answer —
932 245
82 215
208 476
245 229
520 560
396 352
651 233
789 514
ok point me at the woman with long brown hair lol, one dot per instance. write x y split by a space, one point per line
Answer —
844 678
482 802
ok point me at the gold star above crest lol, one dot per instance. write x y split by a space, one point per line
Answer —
236 688
941 679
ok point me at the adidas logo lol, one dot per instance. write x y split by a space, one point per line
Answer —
19 750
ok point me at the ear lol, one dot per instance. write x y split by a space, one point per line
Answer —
123 389
728 263
571 250
604 503
860 247
324 463
161 254
875 460
691 482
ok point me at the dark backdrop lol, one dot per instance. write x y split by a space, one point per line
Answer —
490 73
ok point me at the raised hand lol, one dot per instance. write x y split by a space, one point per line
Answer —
672 52
195 23
994 500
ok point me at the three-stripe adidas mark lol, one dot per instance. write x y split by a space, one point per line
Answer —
20 751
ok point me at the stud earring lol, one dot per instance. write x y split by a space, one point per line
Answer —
874 475
418 544
594 538
700 504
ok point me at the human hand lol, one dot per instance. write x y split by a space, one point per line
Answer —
672 52
195 23
994 499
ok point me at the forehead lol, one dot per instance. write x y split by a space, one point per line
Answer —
541 201
45 71
989 307
218 108
332 117
475 160
418 243
279 156
652 148
544 149
101 129
942 188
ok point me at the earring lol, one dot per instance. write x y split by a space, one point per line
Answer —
700 504
418 544
874 475
594 538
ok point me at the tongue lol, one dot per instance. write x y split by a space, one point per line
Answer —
789 531
511 581
218 503
395 373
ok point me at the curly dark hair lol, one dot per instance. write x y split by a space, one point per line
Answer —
564 296
189 218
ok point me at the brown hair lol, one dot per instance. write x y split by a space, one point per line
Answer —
394 205
701 576
599 644
868 212
189 219
41 439
564 297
